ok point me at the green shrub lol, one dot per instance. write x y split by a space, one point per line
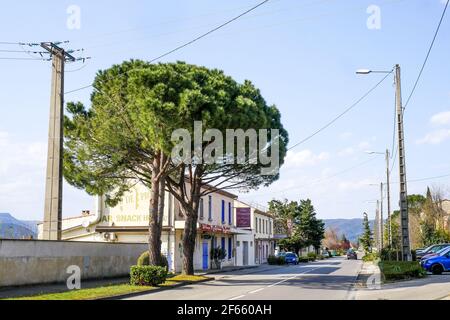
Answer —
147 275
401 270
144 260
281 260
272 260
303 259
320 257
370 257
388 254
312 256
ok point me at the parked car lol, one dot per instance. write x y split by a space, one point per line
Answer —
431 249
352 254
439 263
291 257
434 254
326 254
334 253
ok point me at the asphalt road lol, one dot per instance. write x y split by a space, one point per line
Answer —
330 279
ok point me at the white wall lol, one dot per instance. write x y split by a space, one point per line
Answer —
26 262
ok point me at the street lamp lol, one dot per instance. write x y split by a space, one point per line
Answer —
404 217
388 191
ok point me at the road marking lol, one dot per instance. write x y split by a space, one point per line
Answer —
275 284
257 290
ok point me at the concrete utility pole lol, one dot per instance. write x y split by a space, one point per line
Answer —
376 226
53 182
388 194
381 219
404 218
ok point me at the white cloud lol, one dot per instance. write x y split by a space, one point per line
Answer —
304 158
346 152
364 145
442 118
435 137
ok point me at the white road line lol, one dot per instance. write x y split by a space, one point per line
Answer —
275 284
257 290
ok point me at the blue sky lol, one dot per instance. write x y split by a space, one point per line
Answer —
301 54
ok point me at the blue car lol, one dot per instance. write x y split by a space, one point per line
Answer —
291 257
439 263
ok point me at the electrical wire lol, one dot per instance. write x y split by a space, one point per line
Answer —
427 56
189 42
341 114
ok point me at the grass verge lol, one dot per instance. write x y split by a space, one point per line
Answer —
401 270
111 290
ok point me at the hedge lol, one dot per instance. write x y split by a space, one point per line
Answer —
147 275
401 270
144 260
303 259
276 260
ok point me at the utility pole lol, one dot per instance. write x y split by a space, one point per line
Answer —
53 182
376 226
404 218
381 219
388 195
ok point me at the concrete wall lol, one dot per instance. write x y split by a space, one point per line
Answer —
25 262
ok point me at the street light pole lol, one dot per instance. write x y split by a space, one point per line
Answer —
381 218
404 218
388 195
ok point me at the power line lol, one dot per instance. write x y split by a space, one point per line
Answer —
341 114
15 58
189 42
427 56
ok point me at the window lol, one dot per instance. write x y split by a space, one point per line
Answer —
256 224
270 227
223 211
230 219
260 230
223 243
210 208
201 208
230 248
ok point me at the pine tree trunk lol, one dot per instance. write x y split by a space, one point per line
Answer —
161 205
154 237
190 236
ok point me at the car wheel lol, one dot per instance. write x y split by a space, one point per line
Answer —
437 269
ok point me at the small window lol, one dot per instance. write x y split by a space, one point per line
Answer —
210 208
201 209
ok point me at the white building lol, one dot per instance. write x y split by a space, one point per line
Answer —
128 223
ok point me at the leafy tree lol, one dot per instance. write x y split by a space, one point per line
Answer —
366 238
122 139
220 103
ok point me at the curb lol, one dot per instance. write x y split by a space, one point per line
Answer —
229 270
158 289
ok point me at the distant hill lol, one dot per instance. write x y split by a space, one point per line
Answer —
12 228
352 228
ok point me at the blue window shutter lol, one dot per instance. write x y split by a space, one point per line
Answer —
230 248
223 243
223 211
229 214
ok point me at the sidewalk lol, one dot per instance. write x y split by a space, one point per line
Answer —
226 269
368 287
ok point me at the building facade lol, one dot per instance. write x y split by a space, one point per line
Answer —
128 223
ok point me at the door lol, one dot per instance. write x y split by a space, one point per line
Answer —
205 255
245 253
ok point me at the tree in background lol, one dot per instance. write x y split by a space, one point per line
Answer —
306 229
366 238
331 240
